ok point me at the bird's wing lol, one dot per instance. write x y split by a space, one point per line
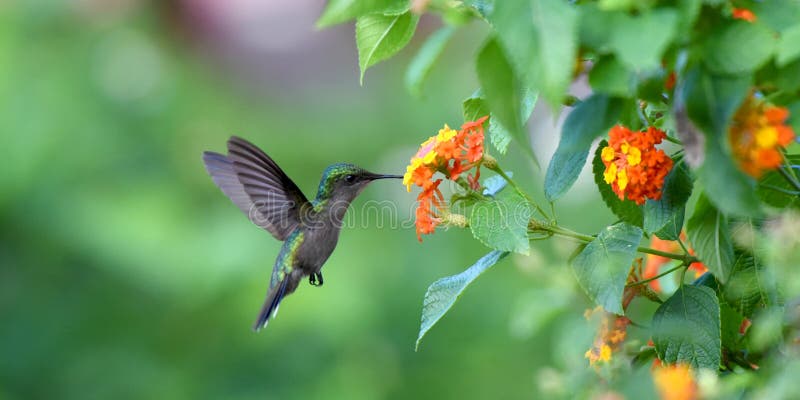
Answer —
258 186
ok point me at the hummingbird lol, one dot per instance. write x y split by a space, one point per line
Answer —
309 230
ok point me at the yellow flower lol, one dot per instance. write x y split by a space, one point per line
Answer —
622 179
610 175
767 137
634 156
607 154
445 134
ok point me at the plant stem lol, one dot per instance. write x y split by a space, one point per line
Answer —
557 230
667 272
789 178
519 190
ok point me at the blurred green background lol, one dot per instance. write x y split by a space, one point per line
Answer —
125 272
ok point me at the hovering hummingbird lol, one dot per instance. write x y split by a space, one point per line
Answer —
309 229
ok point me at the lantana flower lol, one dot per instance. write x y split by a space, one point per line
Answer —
634 167
675 382
655 262
610 335
451 153
756 135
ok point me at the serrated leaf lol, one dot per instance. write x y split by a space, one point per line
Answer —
686 328
338 11
588 120
602 267
672 229
750 285
640 40
426 57
443 293
711 238
738 48
380 36
711 102
670 208
540 37
475 107
501 222
626 210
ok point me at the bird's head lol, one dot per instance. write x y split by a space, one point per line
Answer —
341 183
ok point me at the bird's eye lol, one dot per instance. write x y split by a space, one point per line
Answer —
350 178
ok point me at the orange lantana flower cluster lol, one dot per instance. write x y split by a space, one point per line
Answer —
450 152
674 382
756 135
654 262
610 335
634 167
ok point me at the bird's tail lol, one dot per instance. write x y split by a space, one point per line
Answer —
274 297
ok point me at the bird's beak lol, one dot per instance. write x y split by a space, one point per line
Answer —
373 177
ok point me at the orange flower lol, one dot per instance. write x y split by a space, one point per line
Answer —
654 262
757 134
634 167
744 14
450 152
669 83
610 335
675 382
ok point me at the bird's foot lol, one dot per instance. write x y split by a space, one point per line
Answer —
315 279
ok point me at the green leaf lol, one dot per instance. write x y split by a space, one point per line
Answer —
540 37
711 238
788 46
588 120
730 322
602 267
738 48
639 41
776 191
501 222
426 57
338 11
711 102
595 27
443 293
688 10
673 227
670 208
779 15
626 210
379 37
686 328
786 77
611 77
501 88
475 107
750 286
